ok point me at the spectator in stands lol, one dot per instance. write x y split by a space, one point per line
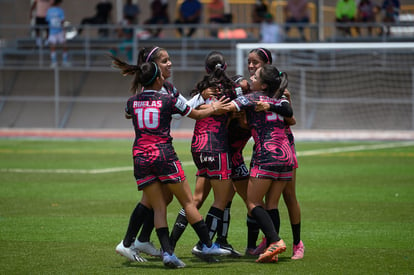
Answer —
125 32
217 14
41 7
55 16
159 15
259 11
131 12
390 13
366 14
345 13
296 11
189 13
102 17
270 32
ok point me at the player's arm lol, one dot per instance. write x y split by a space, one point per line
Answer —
217 106
289 120
284 109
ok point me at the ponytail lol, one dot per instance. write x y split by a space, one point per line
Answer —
145 73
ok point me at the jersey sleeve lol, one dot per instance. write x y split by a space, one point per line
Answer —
196 101
128 107
281 107
243 102
178 116
181 107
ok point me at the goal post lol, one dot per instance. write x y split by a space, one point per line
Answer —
345 86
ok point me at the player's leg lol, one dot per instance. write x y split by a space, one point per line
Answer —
292 204
202 189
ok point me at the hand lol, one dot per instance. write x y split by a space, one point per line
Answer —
221 106
209 92
262 106
287 94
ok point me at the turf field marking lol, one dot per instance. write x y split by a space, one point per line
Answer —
187 163
355 148
68 171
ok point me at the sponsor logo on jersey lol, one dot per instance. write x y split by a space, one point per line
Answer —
180 105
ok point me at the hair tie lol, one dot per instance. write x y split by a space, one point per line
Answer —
280 73
154 76
263 51
151 52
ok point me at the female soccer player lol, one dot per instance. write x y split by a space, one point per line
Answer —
272 160
211 155
256 59
156 165
142 243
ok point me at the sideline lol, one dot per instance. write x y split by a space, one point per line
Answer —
300 135
188 163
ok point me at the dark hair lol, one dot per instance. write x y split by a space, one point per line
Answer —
215 60
276 80
145 73
145 55
215 65
148 73
264 54
149 54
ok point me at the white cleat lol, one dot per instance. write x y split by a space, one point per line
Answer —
147 247
129 253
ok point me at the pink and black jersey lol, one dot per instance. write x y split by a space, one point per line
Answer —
268 131
151 113
238 138
170 88
211 134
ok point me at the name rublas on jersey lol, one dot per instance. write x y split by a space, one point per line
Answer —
155 103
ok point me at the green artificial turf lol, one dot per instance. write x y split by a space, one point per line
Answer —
63 212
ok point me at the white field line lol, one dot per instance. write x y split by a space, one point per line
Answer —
187 163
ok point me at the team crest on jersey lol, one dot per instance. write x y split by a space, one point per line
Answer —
243 100
180 105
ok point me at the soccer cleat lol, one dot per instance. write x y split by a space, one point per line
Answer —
261 247
273 249
147 248
129 253
198 251
250 252
275 259
214 250
229 247
298 251
172 261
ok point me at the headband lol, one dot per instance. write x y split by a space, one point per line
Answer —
239 79
151 52
263 51
154 76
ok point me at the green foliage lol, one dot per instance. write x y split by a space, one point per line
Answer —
62 213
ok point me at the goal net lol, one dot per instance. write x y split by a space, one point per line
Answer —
345 86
